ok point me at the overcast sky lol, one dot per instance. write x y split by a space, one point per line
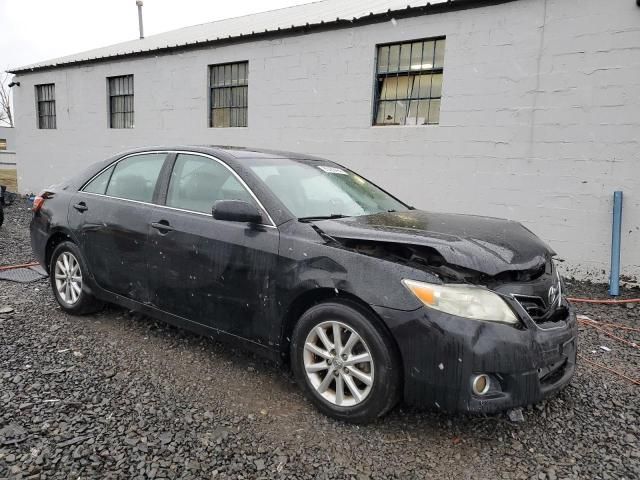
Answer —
34 30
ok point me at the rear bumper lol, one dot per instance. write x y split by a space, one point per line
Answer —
442 353
39 229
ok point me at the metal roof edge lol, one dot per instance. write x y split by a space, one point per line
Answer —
338 23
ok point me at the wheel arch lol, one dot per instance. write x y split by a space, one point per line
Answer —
56 238
309 298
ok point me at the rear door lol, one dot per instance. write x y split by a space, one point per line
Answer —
112 214
214 272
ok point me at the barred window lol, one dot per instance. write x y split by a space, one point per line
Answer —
409 83
121 101
46 98
228 92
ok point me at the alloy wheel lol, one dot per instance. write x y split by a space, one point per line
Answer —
338 363
68 277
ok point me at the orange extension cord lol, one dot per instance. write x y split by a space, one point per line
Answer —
602 327
584 321
591 300
603 367
595 325
13 267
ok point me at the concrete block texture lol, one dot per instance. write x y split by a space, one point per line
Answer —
540 116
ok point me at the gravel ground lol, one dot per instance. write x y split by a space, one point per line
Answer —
115 395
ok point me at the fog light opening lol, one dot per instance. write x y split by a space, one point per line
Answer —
481 384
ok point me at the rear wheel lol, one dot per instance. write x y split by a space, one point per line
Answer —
345 362
67 273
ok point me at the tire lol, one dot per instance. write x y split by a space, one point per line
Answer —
314 364
71 291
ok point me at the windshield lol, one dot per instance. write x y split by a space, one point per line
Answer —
311 190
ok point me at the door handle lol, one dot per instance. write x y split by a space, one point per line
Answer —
162 226
81 207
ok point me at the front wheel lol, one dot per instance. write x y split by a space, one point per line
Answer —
345 362
67 272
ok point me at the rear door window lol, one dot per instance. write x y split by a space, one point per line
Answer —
198 182
135 177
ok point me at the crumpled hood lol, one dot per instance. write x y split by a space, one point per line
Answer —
484 244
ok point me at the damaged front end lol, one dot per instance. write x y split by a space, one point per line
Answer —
430 260
455 363
494 333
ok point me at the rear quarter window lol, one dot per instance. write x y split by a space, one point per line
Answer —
135 177
99 183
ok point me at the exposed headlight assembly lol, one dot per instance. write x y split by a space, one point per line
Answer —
467 301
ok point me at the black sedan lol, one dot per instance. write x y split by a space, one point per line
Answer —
302 260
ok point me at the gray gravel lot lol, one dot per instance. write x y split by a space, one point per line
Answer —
114 395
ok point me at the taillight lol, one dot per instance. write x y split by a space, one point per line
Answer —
38 202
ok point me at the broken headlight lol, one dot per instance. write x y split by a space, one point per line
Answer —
468 301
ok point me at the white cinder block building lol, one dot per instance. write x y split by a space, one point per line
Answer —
525 109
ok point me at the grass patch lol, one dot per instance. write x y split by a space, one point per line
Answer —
9 178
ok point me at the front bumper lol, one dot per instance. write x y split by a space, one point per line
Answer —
442 353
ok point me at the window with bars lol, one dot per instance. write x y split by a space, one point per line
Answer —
121 101
409 83
46 98
228 94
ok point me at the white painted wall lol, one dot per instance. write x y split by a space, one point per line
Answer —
540 118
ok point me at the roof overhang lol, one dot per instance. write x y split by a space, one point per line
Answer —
338 23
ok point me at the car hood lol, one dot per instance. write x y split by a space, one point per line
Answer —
484 244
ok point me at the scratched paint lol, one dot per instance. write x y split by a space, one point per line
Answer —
248 281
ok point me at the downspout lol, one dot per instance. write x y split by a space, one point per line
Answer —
614 278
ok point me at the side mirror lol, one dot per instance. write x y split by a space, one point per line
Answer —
236 211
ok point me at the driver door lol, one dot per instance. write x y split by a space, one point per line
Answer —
214 272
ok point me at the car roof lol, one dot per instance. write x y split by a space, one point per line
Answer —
236 152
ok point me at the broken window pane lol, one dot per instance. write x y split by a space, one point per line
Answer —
423 112
412 115
409 80
401 112
386 113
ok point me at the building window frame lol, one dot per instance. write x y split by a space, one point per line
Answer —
419 97
46 106
229 94
120 92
